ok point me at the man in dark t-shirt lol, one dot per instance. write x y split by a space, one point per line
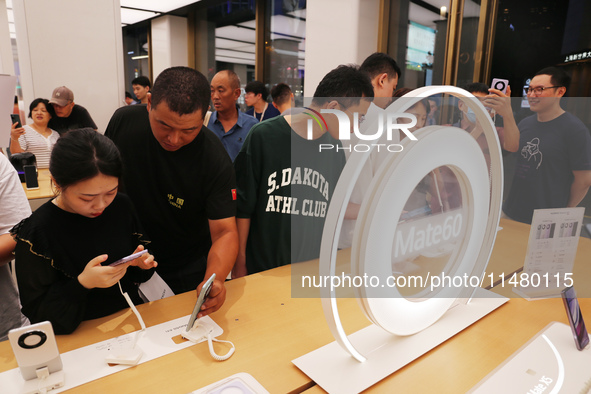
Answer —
553 168
68 115
286 181
181 181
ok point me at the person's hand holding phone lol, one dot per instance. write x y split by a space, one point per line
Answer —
499 101
95 275
16 131
145 261
216 298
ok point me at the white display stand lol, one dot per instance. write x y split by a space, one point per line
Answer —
54 381
548 363
333 369
88 363
240 383
402 328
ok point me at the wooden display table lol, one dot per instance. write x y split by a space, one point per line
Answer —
44 190
270 328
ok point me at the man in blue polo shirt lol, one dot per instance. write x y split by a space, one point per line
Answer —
227 122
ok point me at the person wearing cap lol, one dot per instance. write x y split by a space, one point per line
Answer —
69 116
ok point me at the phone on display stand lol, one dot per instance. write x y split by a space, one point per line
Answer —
15 118
35 348
500 84
575 318
31 181
200 300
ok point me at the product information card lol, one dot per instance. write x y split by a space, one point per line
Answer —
551 250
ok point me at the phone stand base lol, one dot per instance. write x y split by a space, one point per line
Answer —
549 362
127 357
336 371
198 333
53 381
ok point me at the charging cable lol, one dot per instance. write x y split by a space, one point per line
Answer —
128 356
216 356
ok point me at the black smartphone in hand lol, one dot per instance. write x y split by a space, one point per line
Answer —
15 118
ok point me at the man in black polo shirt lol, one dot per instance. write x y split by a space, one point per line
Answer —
181 181
69 116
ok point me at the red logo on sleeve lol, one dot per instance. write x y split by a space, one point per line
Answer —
234 194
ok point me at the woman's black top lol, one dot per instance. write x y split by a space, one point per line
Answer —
53 248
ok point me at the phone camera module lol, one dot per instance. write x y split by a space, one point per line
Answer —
499 85
32 339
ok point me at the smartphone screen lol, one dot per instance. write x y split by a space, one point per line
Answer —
15 118
575 318
31 181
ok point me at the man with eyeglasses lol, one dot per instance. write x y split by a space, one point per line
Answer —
553 168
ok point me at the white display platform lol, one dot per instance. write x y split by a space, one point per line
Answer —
88 363
240 383
333 369
548 363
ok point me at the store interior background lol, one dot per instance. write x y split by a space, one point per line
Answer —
97 48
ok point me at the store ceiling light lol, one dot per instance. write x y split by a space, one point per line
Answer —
129 16
156 5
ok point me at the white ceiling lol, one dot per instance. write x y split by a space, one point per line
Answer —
157 5
236 43
428 18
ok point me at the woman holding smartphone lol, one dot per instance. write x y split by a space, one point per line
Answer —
65 247
35 138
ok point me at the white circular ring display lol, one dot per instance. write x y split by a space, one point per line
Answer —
437 146
347 181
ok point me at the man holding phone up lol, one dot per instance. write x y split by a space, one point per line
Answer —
181 181
553 168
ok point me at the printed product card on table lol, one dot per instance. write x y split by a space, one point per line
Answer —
551 250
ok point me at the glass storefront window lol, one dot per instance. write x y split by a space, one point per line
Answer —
286 46
417 40
468 43
235 37
136 49
224 39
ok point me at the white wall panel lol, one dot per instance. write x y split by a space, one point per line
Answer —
76 43
337 32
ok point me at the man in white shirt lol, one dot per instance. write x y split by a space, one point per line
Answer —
15 207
